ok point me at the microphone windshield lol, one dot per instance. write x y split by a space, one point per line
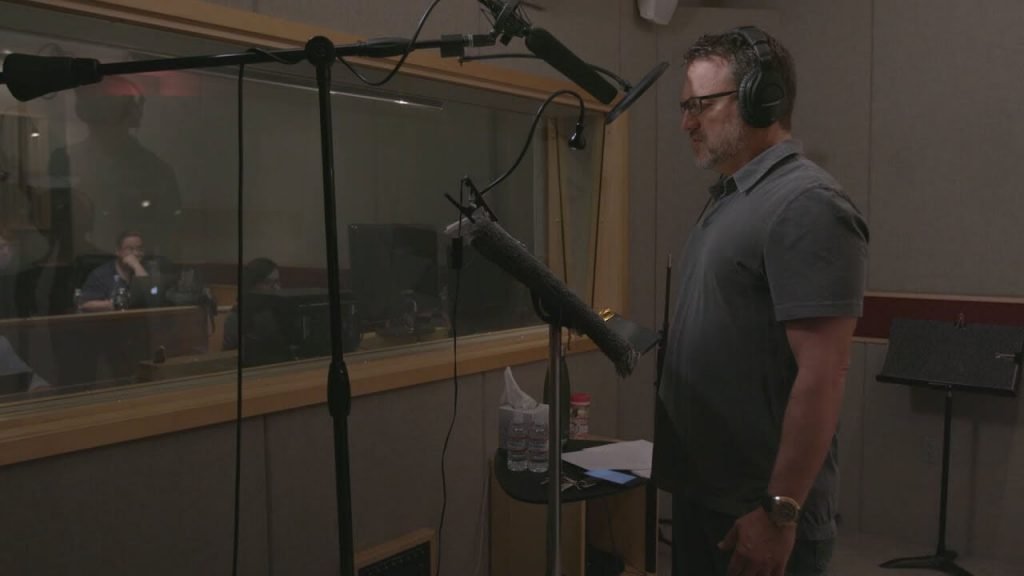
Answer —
634 93
29 77
497 246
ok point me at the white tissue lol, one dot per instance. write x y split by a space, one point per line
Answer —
514 401
513 396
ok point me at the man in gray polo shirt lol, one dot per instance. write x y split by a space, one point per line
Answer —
772 284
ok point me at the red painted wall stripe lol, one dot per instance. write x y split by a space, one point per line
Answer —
879 312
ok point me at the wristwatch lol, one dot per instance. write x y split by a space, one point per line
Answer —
782 510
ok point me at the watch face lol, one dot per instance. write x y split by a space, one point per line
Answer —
784 511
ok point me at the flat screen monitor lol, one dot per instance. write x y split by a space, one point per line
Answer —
292 324
395 278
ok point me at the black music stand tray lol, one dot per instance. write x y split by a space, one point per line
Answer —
951 356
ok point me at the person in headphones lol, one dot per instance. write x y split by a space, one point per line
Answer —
128 186
771 285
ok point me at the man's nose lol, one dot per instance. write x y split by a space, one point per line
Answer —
689 122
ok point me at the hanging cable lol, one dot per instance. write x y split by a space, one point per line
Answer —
456 258
405 54
241 335
529 137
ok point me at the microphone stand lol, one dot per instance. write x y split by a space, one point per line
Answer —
28 77
651 500
554 508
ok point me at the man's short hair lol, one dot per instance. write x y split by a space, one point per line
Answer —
734 49
125 235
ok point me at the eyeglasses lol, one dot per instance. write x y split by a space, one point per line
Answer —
694 105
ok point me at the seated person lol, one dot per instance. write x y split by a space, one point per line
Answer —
109 285
259 275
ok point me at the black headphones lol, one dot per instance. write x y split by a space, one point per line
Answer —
761 93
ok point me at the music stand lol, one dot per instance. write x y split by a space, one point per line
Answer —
951 356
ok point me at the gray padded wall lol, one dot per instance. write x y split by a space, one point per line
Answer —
946 202
159 506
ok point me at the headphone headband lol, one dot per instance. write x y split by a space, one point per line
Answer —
757 40
762 92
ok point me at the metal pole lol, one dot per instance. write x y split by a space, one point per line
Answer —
554 448
321 53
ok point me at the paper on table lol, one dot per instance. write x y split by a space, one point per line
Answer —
634 455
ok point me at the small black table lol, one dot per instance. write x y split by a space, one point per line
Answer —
529 486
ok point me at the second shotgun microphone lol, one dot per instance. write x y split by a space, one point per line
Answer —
545 46
501 249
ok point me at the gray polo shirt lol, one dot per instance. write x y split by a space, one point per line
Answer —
780 241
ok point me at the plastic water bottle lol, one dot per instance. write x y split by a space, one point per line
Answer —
537 451
120 299
517 440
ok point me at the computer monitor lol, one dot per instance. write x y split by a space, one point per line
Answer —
489 298
293 323
394 272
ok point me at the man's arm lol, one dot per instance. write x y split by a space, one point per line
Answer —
95 295
822 350
97 305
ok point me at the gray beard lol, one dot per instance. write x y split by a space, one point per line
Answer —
727 146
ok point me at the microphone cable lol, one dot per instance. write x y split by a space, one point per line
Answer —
529 137
405 54
456 263
240 222
241 333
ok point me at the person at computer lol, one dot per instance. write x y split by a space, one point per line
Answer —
107 287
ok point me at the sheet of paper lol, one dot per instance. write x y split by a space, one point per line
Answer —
634 455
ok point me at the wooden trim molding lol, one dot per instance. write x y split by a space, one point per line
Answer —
110 416
611 280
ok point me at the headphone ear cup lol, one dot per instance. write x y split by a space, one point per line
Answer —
747 96
762 95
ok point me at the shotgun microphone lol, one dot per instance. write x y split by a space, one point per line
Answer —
496 245
508 22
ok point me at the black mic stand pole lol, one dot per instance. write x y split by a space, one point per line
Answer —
653 524
29 77
554 525
322 53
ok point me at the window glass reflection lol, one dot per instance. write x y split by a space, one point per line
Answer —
118 235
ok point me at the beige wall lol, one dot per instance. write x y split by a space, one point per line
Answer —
910 104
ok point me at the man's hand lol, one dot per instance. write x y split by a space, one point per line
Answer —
132 261
759 547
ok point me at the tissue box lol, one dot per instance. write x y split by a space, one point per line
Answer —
505 415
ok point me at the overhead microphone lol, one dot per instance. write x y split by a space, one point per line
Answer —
632 94
508 23
28 76
549 49
496 245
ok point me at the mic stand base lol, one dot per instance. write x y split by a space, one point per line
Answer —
943 562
